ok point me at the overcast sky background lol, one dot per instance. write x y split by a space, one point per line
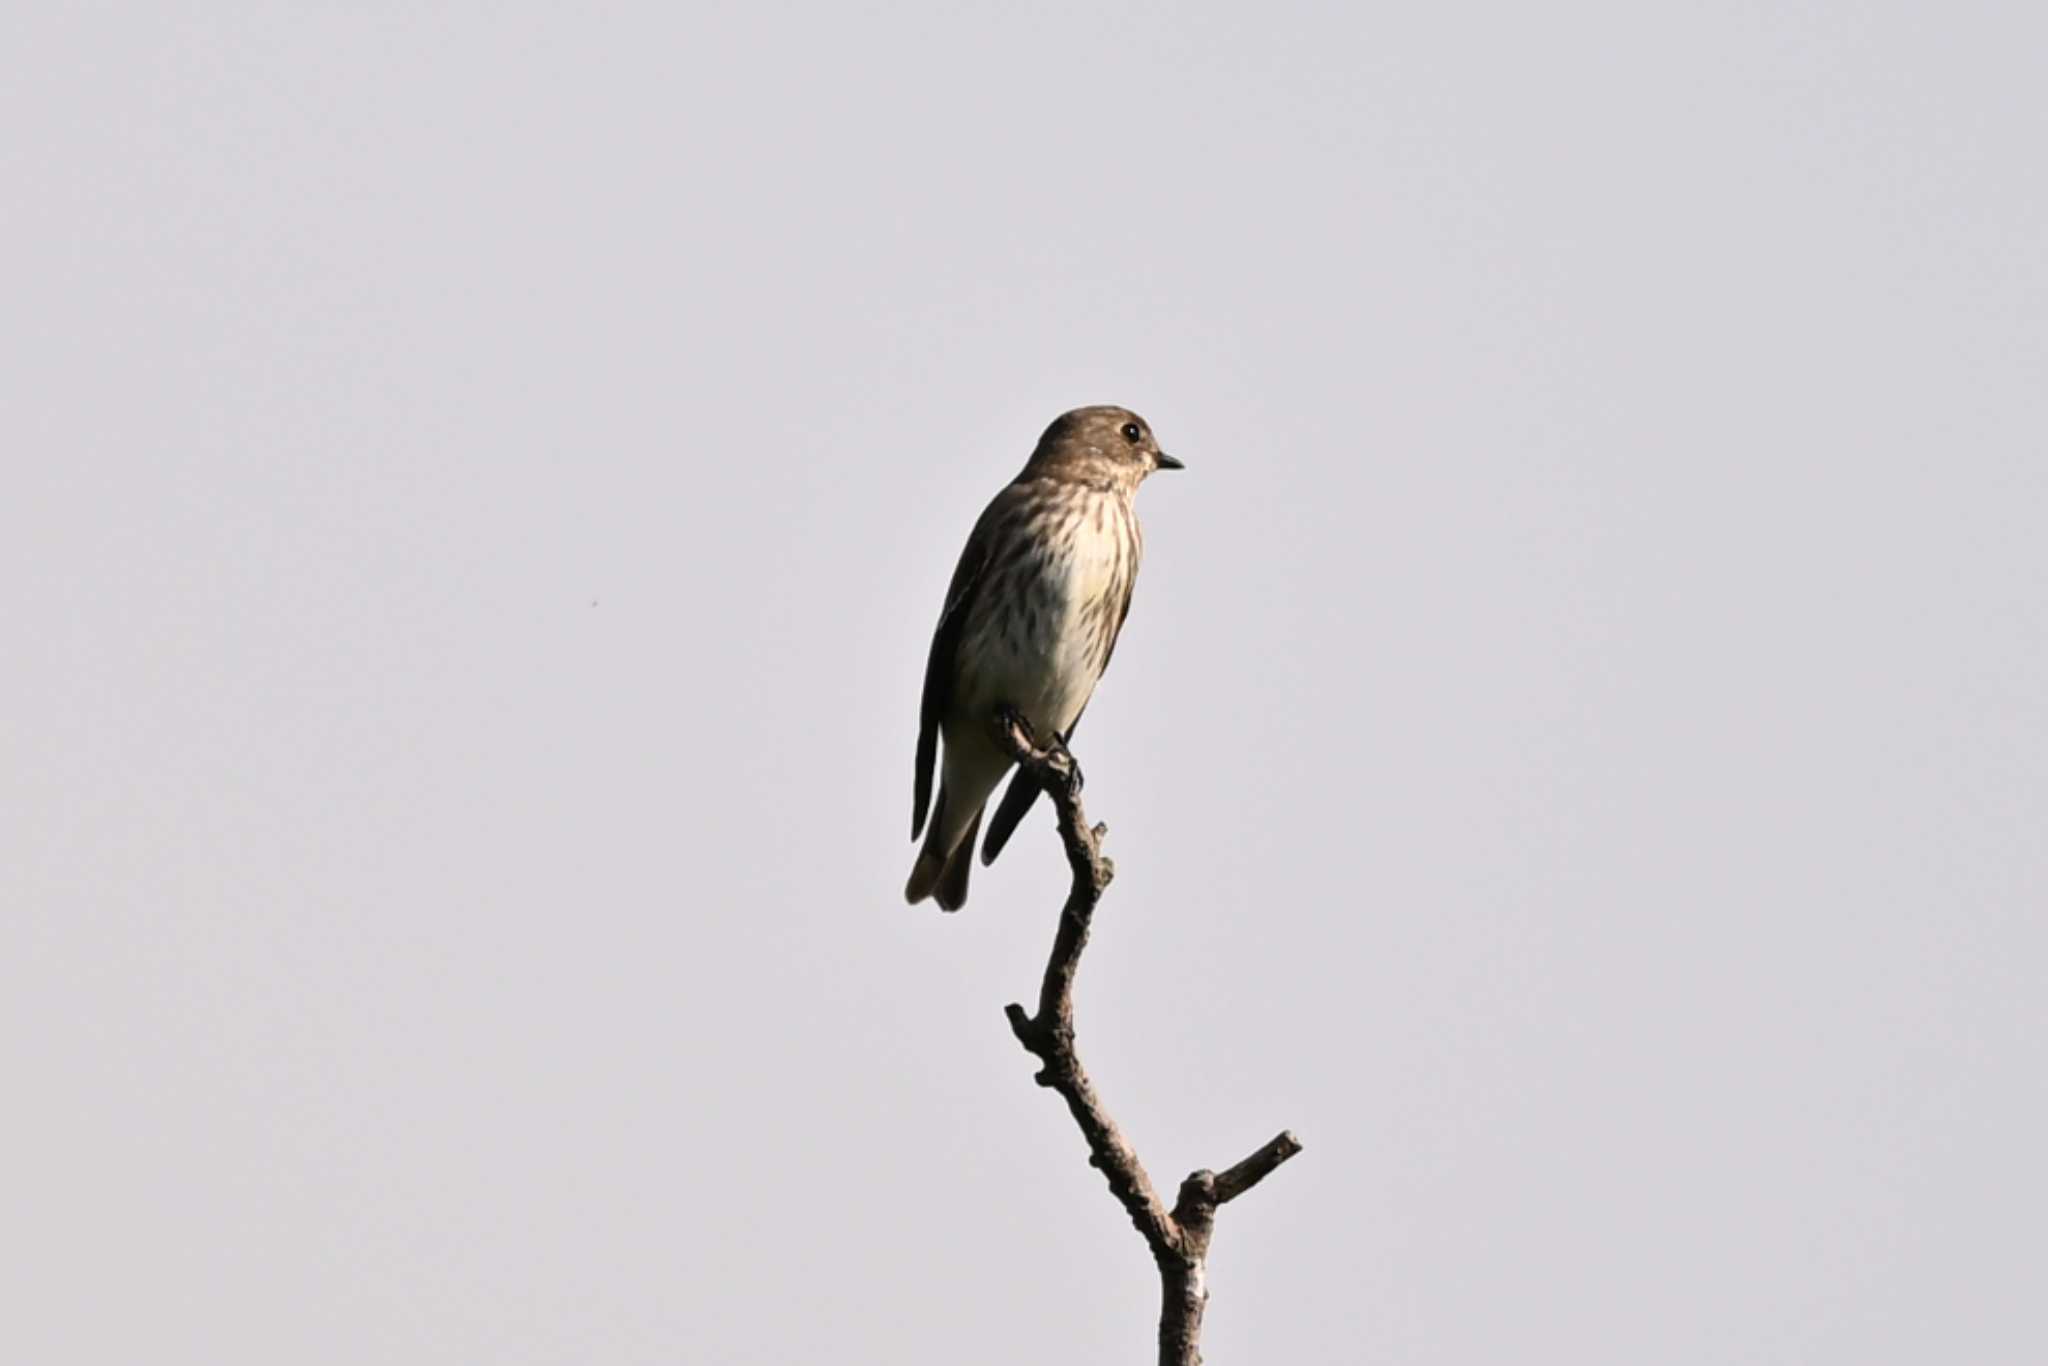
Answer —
479 485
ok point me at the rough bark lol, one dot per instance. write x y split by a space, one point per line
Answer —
1178 1237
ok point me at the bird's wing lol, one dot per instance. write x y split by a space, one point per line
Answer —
938 668
1022 792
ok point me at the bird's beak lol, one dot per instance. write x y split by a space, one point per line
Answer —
1167 462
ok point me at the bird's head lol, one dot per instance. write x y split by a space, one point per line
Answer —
1102 445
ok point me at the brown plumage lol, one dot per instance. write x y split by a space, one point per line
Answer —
1030 621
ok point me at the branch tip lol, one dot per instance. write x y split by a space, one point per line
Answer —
1256 1168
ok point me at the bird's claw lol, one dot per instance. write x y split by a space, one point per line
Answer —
1070 766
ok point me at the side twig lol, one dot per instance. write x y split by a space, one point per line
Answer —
1178 1237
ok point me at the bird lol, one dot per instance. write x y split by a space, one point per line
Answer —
1030 620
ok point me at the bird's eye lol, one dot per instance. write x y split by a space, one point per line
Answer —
1131 433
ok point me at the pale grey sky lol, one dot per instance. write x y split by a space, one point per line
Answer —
480 482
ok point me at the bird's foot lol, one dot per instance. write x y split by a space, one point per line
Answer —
1053 757
1068 766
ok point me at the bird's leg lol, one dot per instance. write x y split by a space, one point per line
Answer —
1010 718
1057 747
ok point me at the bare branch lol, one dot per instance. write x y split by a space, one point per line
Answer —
1257 1167
1179 1238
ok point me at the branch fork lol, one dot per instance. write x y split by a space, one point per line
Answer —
1179 1236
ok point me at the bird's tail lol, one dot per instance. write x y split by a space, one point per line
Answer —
940 870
